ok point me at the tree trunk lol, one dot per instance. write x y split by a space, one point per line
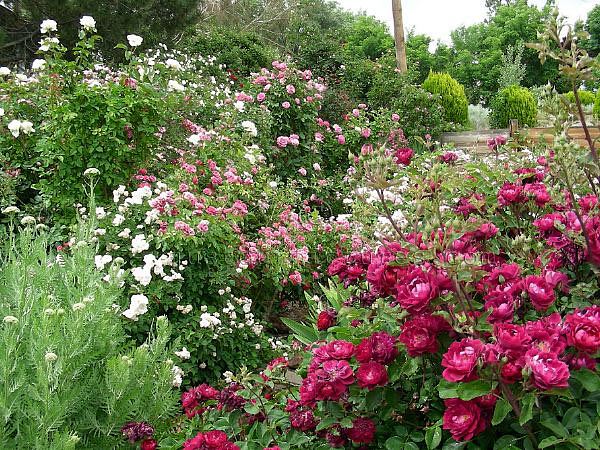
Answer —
399 36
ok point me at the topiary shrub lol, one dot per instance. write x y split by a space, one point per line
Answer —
454 99
586 97
513 102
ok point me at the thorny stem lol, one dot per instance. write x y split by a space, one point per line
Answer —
388 212
575 205
588 137
515 406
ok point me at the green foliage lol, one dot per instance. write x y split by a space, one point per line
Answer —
368 38
67 376
585 97
475 57
453 96
419 111
592 26
419 59
513 70
597 105
241 51
513 102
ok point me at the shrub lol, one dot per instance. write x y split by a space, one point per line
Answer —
585 97
513 102
67 377
597 104
454 99
241 51
419 112
479 117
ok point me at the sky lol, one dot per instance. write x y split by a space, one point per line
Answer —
437 18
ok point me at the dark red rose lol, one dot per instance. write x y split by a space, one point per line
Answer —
511 193
463 419
362 431
149 444
419 334
502 304
511 372
513 339
326 319
371 375
404 156
380 347
460 361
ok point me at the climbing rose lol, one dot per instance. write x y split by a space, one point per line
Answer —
540 292
583 329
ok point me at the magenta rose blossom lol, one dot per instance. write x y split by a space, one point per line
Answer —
460 361
583 329
303 420
362 431
540 292
463 419
371 375
511 193
547 371
512 338
404 156
380 347
419 334
417 291
340 349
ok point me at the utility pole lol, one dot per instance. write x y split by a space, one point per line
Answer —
399 36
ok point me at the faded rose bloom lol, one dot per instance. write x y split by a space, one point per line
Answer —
362 431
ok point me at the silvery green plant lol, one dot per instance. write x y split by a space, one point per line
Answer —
69 378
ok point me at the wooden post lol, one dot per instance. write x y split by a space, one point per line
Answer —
399 36
513 127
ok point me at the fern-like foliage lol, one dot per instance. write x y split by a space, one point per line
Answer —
68 376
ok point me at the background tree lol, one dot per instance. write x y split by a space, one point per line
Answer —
592 26
155 20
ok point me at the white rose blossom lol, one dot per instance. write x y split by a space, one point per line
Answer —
134 40
137 307
47 26
88 23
